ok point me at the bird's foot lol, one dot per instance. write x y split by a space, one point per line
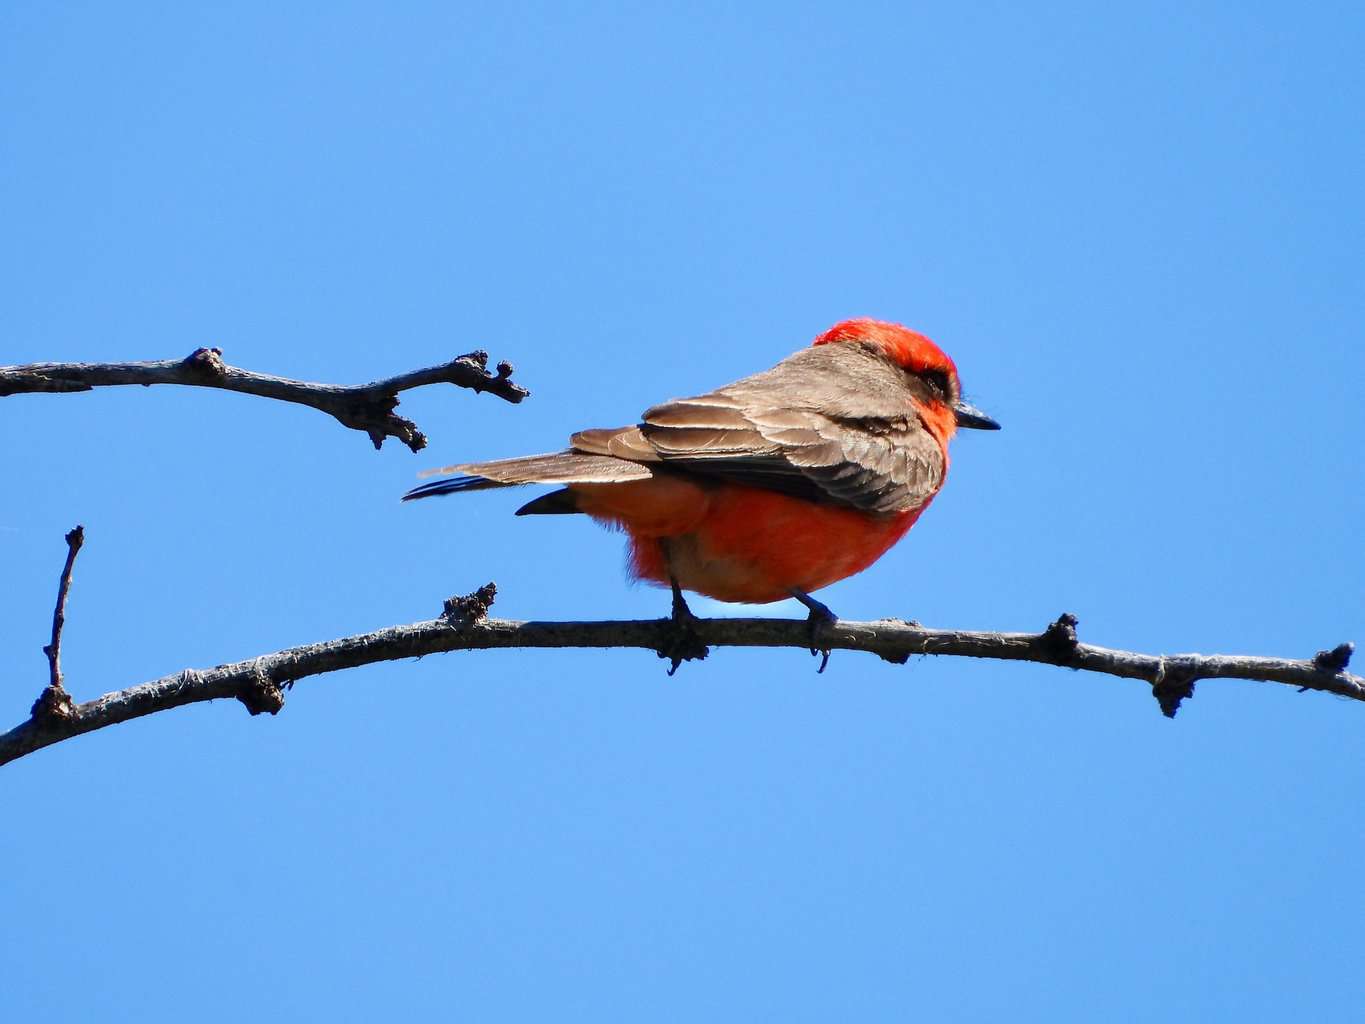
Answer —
819 620
681 640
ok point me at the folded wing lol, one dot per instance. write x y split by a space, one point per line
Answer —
832 424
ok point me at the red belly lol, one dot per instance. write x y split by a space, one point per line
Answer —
741 543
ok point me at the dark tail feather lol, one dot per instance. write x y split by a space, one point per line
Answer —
569 467
452 485
556 503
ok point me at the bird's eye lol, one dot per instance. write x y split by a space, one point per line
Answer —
938 382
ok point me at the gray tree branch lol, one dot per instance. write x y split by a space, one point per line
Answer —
364 407
259 683
54 699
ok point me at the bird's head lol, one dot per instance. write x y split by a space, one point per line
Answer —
938 389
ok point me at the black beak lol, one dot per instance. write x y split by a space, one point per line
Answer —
971 416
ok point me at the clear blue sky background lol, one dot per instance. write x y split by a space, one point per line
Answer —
1138 231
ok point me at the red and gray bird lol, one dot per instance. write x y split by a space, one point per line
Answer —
773 486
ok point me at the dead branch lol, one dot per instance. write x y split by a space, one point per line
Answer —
259 683
54 701
364 407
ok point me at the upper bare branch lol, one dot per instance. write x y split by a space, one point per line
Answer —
259 682
365 407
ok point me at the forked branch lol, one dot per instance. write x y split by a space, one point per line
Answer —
364 407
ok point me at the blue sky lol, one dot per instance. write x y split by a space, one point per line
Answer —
1137 230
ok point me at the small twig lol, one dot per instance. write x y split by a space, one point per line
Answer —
258 682
461 611
74 539
364 407
1060 638
1336 659
54 700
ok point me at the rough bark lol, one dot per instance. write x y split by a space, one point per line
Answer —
260 683
364 407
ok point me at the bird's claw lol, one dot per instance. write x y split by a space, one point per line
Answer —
818 620
682 642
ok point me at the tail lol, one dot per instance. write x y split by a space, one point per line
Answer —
452 485
567 467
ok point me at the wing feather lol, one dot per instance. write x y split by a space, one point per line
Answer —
833 424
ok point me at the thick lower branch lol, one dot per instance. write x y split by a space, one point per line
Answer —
258 682
364 407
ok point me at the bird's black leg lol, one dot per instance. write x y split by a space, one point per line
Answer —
683 643
819 619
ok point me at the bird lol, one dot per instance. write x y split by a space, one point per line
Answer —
768 488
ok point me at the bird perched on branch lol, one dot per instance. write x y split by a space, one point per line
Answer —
768 488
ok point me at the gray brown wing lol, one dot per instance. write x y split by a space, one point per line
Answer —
832 424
